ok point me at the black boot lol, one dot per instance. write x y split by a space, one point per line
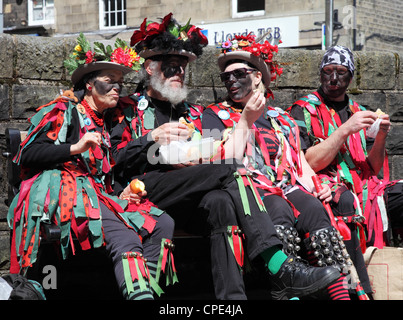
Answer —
296 279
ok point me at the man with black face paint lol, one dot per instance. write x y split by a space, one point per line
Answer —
199 197
339 145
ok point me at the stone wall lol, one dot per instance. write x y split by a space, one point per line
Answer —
379 24
32 74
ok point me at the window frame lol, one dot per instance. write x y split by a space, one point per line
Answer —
102 14
236 14
32 22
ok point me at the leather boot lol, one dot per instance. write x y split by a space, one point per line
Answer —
297 279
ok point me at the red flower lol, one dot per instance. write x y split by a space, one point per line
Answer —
121 56
89 56
150 30
152 27
249 37
197 31
265 51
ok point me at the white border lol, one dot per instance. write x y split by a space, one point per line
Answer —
32 22
101 17
236 14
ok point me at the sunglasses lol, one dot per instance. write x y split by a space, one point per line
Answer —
237 73
172 66
171 71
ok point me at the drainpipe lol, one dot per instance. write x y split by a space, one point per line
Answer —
355 25
1 17
329 23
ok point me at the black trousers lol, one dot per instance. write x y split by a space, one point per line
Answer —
209 194
120 239
312 213
313 216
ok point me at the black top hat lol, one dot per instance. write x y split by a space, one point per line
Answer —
168 37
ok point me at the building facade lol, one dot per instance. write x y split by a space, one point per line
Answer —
358 24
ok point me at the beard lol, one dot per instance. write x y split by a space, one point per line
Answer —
173 95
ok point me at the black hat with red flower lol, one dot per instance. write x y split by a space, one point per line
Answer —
168 37
247 48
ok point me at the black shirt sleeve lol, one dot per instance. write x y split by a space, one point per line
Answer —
298 114
131 158
43 153
212 125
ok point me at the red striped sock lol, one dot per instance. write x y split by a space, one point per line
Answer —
337 290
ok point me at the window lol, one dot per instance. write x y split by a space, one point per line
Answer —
244 8
41 12
112 14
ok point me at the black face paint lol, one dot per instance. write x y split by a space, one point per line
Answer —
105 87
335 82
173 66
170 71
238 89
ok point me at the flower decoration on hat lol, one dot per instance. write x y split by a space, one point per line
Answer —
121 54
168 36
249 44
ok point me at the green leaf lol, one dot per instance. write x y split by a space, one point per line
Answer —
185 27
173 29
137 66
71 65
83 42
109 50
100 51
119 43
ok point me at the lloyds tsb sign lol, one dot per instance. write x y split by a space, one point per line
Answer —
273 30
273 35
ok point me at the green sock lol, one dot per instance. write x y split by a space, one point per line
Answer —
273 257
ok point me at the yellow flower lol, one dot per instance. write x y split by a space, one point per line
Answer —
132 53
78 48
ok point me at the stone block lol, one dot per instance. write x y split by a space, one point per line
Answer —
397 167
371 100
395 106
39 58
283 98
7 55
3 206
27 98
376 70
204 72
4 102
206 96
394 143
300 68
4 249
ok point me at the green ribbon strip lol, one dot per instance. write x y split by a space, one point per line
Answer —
257 197
242 192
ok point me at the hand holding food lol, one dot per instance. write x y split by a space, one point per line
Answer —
190 126
137 186
382 124
134 192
